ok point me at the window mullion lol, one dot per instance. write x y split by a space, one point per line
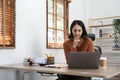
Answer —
56 21
4 12
66 13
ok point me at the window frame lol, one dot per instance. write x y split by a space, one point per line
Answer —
65 28
7 24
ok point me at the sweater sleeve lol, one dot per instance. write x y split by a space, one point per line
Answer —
68 48
90 47
65 51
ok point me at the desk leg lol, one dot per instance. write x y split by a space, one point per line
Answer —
19 75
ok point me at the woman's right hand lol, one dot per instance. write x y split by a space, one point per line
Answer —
75 43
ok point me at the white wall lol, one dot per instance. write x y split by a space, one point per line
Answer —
30 32
31 27
104 8
75 10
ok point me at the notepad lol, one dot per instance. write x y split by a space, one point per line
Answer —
57 65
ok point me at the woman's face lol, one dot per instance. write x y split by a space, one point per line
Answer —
77 31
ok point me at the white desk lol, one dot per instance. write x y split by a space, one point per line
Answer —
109 72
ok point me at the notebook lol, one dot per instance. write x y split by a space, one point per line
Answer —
83 60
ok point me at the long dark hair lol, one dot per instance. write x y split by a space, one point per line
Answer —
80 23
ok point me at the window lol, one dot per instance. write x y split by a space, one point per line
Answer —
7 23
57 23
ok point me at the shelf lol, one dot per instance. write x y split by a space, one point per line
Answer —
104 38
103 46
105 25
116 48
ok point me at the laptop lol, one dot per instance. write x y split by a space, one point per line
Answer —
83 60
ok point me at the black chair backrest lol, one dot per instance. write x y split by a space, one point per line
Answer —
97 48
92 36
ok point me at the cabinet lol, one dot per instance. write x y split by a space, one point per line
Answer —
103 30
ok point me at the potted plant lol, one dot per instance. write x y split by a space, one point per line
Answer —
116 28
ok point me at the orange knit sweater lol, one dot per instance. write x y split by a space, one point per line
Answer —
85 46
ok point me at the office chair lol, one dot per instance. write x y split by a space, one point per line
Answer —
97 48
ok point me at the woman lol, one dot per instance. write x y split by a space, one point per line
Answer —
78 42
